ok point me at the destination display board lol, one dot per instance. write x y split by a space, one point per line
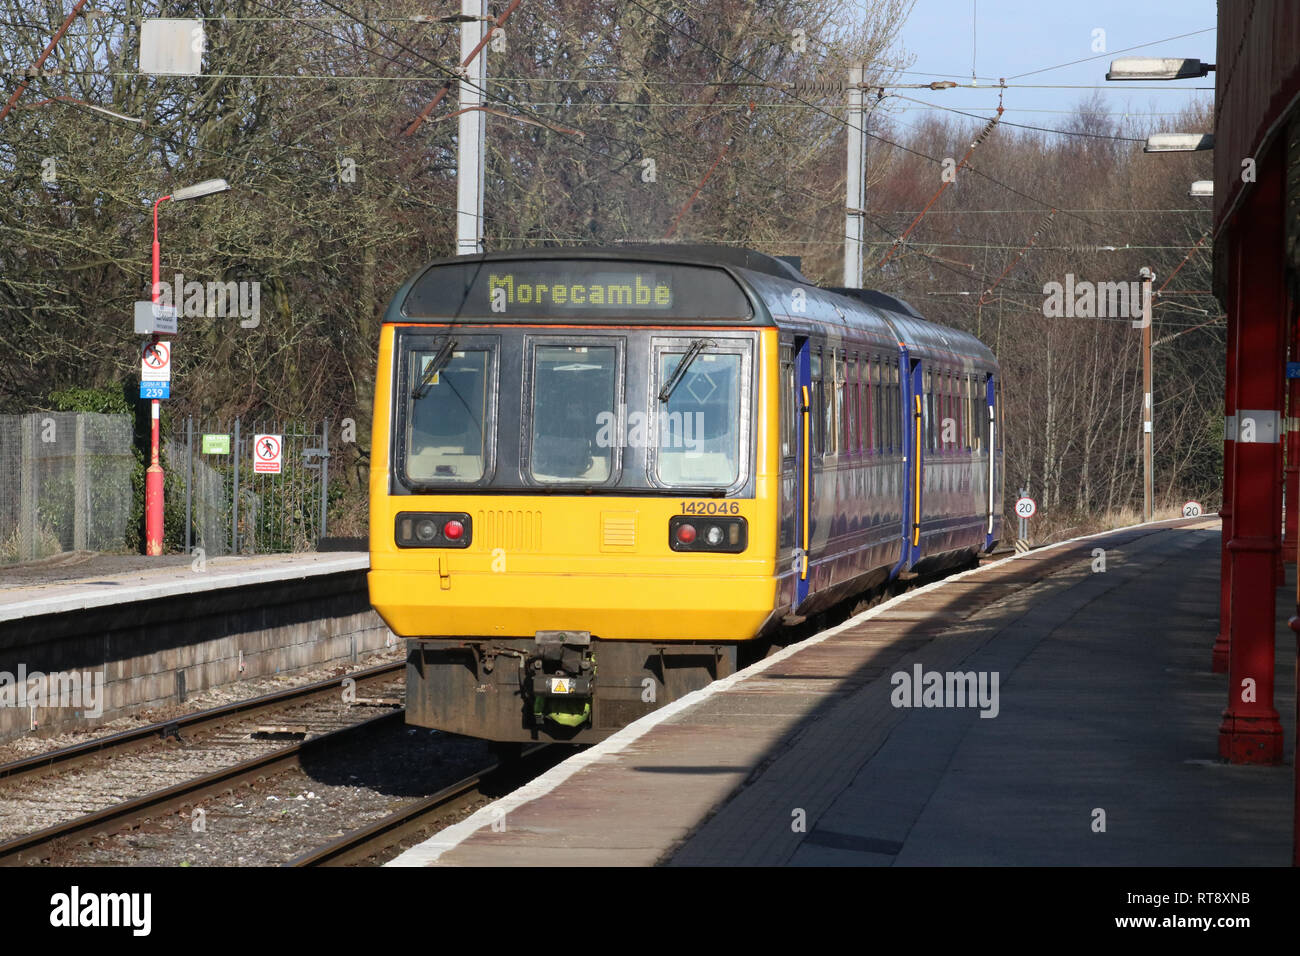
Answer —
575 289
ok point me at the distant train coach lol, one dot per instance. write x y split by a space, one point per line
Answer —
603 478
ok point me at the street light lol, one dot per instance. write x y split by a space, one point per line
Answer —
153 478
1178 142
205 188
1157 68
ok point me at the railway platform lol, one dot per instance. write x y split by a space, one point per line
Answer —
150 631
86 582
1081 729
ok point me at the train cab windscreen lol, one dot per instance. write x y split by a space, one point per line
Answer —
594 411
699 422
573 393
445 424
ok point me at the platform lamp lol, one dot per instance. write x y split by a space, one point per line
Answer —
1164 68
1157 68
153 479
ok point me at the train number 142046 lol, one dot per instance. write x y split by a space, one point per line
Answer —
710 507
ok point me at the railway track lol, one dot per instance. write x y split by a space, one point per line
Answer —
104 781
44 846
56 761
375 839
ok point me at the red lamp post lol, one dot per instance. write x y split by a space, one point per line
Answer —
153 477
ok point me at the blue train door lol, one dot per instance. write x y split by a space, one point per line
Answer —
916 461
803 469
991 447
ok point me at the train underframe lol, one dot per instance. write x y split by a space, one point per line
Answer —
557 686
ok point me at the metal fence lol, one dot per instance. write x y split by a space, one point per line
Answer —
65 483
234 502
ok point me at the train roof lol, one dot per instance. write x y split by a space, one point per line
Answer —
765 291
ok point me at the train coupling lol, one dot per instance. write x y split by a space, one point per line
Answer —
562 677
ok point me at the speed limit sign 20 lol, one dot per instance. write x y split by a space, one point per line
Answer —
1192 509
1026 507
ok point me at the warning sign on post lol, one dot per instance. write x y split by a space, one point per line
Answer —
156 362
156 370
267 454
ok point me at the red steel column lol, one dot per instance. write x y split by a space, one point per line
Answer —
1292 472
1219 659
1294 624
1279 562
1251 731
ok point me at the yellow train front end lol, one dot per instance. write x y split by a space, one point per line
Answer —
572 564
572 523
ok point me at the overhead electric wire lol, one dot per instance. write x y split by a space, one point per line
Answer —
517 105
1041 129
846 123
1102 56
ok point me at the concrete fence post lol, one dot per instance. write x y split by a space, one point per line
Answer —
27 492
324 477
234 496
81 490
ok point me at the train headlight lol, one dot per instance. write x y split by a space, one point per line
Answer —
722 534
437 529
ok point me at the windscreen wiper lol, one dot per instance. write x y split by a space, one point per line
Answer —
436 365
697 346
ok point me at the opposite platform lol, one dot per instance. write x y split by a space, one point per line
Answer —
26 595
1107 713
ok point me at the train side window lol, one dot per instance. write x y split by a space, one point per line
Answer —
950 422
970 412
831 397
895 409
927 410
944 438
815 412
951 441
851 445
859 397
943 421
963 406
842 405
886 429
883 433
936 404
960 408
950 403
789 402
871 374
963 385
888 414
940 408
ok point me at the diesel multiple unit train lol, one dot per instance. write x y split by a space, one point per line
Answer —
603 478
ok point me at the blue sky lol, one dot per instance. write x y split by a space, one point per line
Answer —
1019 36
